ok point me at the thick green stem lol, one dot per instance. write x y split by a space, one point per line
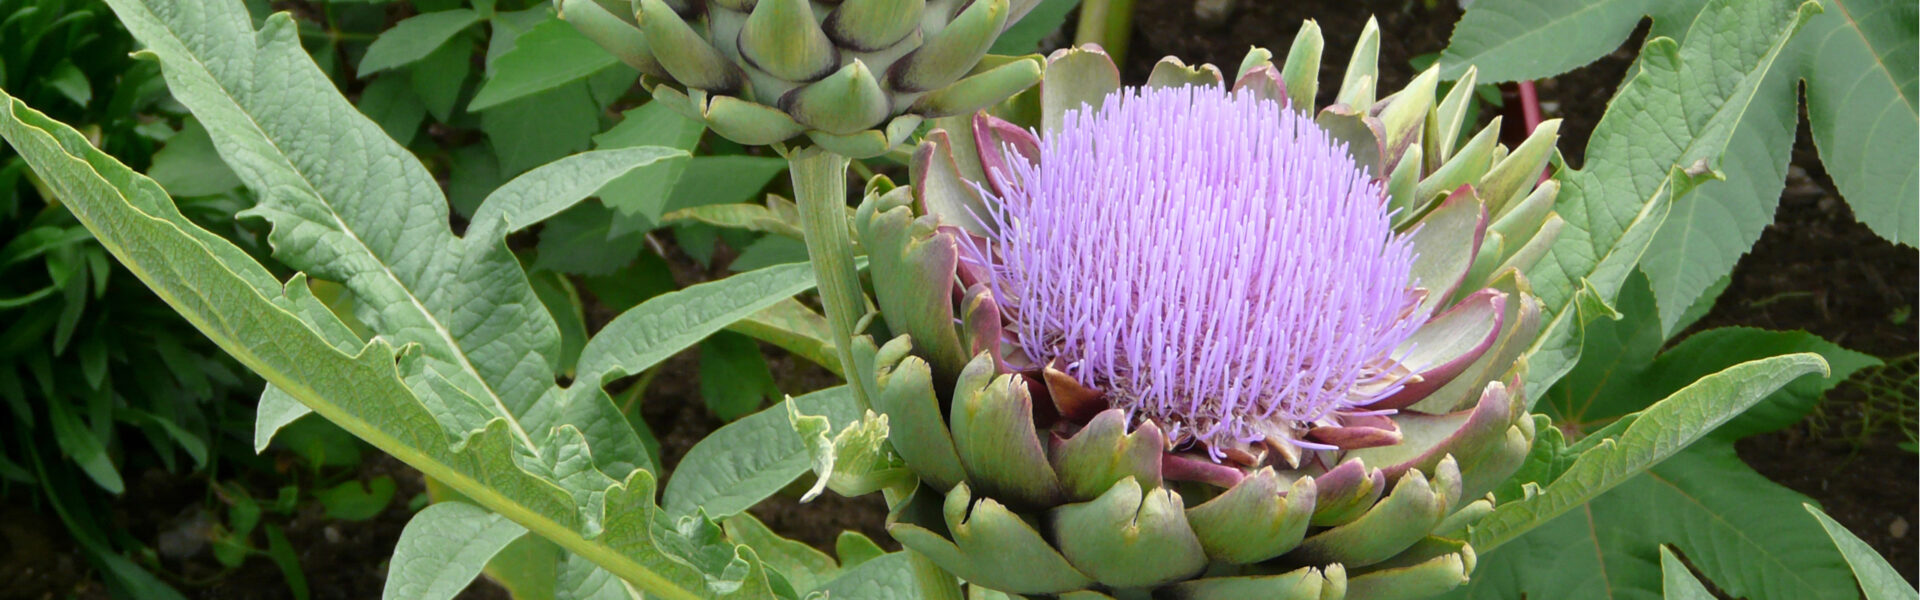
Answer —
820 188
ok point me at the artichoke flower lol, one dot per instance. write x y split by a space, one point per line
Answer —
1198 340
857 77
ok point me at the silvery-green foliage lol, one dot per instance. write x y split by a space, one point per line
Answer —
459 376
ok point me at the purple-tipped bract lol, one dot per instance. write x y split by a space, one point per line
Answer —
1215 263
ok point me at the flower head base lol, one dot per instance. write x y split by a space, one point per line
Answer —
1214 263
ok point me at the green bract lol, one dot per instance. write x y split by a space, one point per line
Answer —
1034 485
857 77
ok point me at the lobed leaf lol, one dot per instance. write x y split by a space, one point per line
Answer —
1661 136
264 325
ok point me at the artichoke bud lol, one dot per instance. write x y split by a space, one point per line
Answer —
873 25
618 35
1129 537
781 38
848 101
947 55
685 55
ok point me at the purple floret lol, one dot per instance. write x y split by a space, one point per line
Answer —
1213 262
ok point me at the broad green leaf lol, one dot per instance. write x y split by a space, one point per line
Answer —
83 448
439 78
667 324
414 38
734 377
188 165
645 192
1660 137
795 328
1726 519
443 548
352 501
581 241
804 567
212 283
349 205
748 460
1877 578
888 577
1659 432
1860 72
390 101
549 55
556 186
1677 583
530 131
1506 39
1719 222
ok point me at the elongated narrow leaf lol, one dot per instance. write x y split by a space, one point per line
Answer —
1661 135
667 324
264 324
443 548
1877 578
551 188
1660 431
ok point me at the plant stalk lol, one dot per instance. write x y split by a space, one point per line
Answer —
820 189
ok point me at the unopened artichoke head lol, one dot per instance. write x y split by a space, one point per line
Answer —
1198 340
854 76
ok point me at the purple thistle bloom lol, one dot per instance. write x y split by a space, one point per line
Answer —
1213 262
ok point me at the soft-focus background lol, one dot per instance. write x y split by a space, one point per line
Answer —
127 465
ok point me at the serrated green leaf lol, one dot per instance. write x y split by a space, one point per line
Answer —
442 549
546 57
1877 578
748 460
1659 432
414 39
1668 124
1860 72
